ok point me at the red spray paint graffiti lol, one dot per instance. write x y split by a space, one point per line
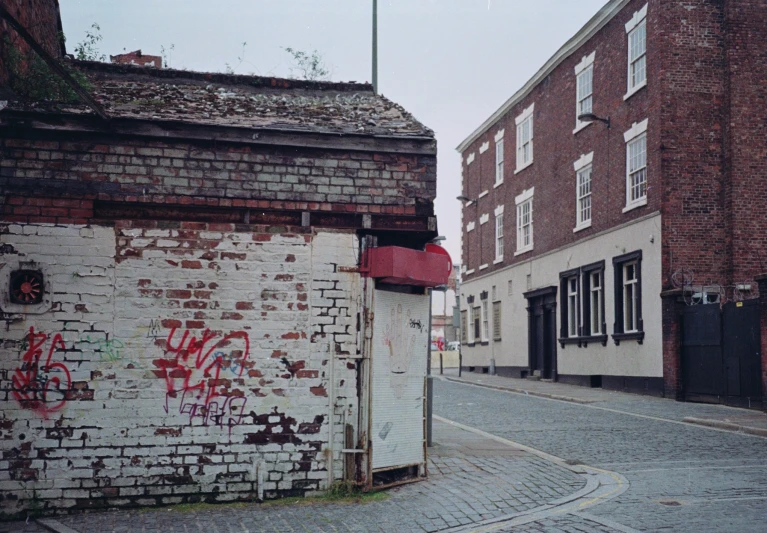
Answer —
41 387
195 372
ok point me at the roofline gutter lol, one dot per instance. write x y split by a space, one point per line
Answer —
29 121
53 64
596 23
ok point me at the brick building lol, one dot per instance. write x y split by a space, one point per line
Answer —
189 288
137 58
623 248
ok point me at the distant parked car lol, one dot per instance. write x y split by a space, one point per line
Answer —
453 346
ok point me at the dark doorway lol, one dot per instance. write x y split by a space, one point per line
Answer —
721 353
542 335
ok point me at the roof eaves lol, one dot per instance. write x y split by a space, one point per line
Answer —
97 67
596 23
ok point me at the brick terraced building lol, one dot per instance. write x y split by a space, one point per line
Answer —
614 219
189 288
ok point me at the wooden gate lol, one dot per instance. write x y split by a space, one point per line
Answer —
721 353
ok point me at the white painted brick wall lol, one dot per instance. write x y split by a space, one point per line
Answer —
121 417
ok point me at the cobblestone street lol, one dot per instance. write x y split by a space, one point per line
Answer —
681 477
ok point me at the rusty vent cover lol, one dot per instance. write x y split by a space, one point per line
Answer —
26 287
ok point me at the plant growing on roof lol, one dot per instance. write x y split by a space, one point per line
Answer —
30 78
88 49
167 55
310 66
241 59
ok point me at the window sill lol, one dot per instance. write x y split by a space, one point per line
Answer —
582 227
581 126
631 92
485 343
497 184
583 342
523 251
523 167
469 272
469 203
499 260
631 336
482 194
483 267
497 340
631 207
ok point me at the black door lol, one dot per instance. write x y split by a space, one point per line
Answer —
721 353
542 347
702 370
742 350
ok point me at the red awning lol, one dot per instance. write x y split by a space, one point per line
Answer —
403 266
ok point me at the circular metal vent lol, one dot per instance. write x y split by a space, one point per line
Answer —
27 287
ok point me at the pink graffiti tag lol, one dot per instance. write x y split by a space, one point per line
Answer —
41 388
201 395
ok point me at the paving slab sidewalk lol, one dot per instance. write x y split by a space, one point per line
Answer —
718 416
471 479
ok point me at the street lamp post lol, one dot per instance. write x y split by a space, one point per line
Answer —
463 199
375 46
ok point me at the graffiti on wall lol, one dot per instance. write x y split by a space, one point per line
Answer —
199 375
400 338
111 350
40 383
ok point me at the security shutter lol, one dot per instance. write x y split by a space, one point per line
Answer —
400 344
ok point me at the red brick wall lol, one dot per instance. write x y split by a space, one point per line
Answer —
41 19
747 144
137 58
692 105
227 176
556 148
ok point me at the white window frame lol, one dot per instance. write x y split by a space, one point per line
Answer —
572 306
525 120
498 163
581 166
634 301
524 199
499 158
635 28
637 134
597 319
470 330
583 71
484 327
498 234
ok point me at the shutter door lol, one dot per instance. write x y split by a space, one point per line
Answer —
400 342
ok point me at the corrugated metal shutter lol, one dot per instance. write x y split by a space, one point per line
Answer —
400 342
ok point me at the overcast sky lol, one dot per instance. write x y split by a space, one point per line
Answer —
451 63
